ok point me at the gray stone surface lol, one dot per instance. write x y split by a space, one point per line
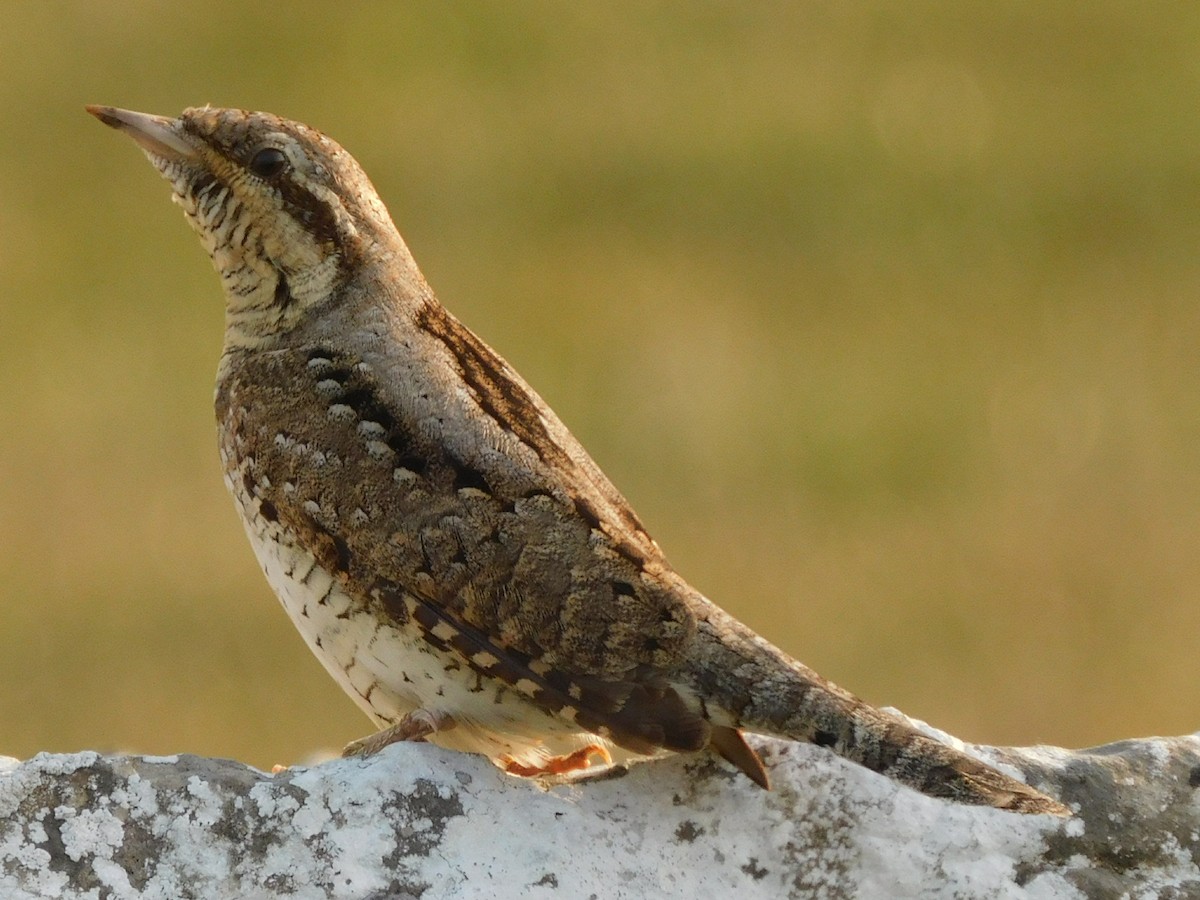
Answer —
417 821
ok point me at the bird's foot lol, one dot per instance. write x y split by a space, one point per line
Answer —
416 726
558 765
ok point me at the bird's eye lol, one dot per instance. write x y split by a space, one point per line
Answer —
268 163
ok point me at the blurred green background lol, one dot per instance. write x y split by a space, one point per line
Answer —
884 316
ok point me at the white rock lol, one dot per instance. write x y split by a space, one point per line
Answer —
417 821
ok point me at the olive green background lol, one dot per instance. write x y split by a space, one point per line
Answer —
885 317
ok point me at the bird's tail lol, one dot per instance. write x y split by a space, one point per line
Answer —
749 684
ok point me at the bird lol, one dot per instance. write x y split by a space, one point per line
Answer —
447 549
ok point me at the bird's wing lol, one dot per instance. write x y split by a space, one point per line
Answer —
509 574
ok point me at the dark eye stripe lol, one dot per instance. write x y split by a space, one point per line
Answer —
311 212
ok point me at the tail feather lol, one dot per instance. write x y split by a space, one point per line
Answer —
748 684
730 743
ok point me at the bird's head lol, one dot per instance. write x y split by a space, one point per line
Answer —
287 216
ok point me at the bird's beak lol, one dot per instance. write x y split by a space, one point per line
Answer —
154 134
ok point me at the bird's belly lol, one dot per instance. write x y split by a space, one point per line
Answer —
381 667
390 670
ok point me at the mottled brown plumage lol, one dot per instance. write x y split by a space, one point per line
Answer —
445 546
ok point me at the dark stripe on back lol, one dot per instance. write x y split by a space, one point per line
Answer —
514 410
500 397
